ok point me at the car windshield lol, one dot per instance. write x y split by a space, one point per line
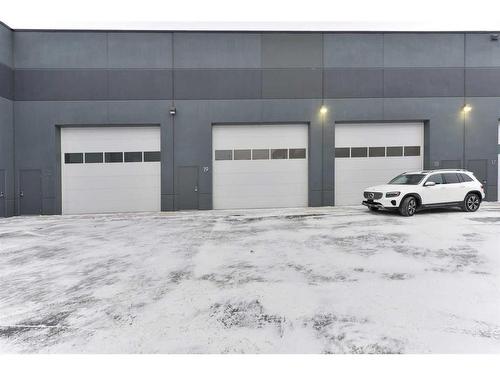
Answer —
407 179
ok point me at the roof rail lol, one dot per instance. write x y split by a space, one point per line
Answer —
449 169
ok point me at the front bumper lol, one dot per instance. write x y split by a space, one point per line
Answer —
372 204
386 203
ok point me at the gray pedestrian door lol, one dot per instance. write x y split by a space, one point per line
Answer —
480 169
2 193
187 188
30 192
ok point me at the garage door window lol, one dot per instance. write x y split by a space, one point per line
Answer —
133 157
242 154
73 158
150 156
395 151
113 157
342 152
412 150
260 154
359 152
279 153
223 154
93 157
297 153
377 152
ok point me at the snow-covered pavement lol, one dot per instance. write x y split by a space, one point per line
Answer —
316 280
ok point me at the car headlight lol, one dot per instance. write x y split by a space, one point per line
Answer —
392 194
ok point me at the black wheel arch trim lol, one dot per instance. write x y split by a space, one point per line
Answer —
414 195
480 196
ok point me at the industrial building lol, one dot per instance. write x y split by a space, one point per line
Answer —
97 121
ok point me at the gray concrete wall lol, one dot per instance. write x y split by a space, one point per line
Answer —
135 77
6 118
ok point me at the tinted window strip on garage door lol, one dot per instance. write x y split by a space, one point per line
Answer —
363 152
412 150
133 157
279 153
223 154
242 154
73 158
260 154
395 151
359 152
376 152
150 156
93 157
113 157
297 153
342 152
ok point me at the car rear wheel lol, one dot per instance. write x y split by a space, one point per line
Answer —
408 207
471 202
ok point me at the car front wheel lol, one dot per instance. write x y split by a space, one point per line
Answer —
408 207
471 202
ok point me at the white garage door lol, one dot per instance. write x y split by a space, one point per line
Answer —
260 166
110 169
372 154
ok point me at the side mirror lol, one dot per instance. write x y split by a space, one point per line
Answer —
430 183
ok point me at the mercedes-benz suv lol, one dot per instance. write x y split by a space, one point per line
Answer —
412 191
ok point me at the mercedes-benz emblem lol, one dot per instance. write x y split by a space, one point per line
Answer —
371 195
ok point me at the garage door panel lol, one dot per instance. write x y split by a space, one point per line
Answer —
267 136
354 174
380 134
260 183
111 182
270 199
111 139
110 187
266 176
125 169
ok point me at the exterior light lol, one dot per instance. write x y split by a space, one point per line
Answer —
173 111
466 108
323 110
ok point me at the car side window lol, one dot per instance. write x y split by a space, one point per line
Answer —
451 178
437 178
465 178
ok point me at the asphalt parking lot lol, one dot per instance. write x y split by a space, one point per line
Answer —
315 280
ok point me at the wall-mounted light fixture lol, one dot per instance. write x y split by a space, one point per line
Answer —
494 37
172 111
323 110
466 108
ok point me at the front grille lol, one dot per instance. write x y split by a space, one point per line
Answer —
367 195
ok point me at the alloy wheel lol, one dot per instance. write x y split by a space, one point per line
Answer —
412 206
473 203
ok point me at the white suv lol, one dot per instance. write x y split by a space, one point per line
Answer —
412 191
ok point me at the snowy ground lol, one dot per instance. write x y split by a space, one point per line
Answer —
326 280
